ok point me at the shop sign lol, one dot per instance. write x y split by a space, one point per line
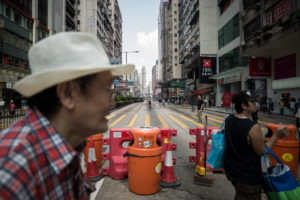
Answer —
227 98
200 91
121 84
285 67
260 67
9 85
207 68
116 82
130 83
177 84
230 79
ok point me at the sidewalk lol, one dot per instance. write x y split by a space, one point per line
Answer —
274 118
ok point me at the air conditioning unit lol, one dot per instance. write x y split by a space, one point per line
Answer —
243 43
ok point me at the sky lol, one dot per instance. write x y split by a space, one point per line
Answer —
140 33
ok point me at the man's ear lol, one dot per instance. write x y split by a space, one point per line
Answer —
65 93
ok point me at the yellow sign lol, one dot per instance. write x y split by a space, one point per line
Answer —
288 157
158 168
166 140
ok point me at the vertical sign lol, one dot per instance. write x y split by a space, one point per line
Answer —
207 68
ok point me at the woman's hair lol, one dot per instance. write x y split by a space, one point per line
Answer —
239 99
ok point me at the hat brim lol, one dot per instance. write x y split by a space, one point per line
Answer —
37 82
255 97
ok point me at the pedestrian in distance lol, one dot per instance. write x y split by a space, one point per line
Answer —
163 102
245 146
270 106
69 94
281 107
200 105
2 104
12 108
292 106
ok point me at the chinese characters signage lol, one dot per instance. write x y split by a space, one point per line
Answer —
207 68
260 67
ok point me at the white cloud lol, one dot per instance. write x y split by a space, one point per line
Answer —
148 46
147 40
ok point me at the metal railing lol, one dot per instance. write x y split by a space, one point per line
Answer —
6 118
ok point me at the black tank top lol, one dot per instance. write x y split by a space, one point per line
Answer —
241 162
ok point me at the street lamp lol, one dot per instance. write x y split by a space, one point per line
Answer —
126 52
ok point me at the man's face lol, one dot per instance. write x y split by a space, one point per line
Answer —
95 104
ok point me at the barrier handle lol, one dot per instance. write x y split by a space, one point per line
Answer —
133 155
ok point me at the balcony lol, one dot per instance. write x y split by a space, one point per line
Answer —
13 51
19 30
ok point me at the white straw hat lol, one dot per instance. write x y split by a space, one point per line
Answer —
63 57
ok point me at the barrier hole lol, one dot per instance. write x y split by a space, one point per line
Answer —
125 144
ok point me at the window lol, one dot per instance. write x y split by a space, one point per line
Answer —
175 20
175 27
175 50
175 42
175 34
175 12
231 60
18 19
8 12
229 31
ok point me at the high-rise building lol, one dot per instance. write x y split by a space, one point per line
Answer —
232 67
23 23
143 79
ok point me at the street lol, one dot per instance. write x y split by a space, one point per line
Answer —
176 117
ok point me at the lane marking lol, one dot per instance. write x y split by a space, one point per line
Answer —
147 120
98 186
132 121
209 122
188 119
162 121
117 120
110 116
178 121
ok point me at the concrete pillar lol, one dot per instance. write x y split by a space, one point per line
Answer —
35 22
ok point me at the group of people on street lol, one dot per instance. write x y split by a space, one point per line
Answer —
11 107
69 94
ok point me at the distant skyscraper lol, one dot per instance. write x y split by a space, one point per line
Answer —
143 79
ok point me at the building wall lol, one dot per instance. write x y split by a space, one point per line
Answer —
208 27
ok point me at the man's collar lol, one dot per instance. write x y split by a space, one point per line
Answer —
58 151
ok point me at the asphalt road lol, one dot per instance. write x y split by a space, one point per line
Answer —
174 117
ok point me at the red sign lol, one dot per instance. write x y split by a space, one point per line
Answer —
227 98
206 63
200 91
260 67
285 67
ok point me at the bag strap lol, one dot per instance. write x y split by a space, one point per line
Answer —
268 176
222 126
273 155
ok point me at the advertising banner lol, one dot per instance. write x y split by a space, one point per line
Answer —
207 68
260 67
227 98
285 67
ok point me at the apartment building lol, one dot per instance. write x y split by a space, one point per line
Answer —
95 18
270 36
23 23
232 67
198 45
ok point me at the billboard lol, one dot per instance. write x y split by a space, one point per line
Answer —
207 68
260 67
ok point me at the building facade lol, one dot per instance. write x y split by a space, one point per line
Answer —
270 36
198 45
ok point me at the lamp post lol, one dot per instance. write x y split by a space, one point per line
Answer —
126 52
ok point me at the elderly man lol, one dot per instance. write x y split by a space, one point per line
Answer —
69 95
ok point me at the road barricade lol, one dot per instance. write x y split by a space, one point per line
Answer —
199 145
164 138
118 164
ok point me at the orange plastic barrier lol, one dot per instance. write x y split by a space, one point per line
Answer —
98 148
144 161
287 148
